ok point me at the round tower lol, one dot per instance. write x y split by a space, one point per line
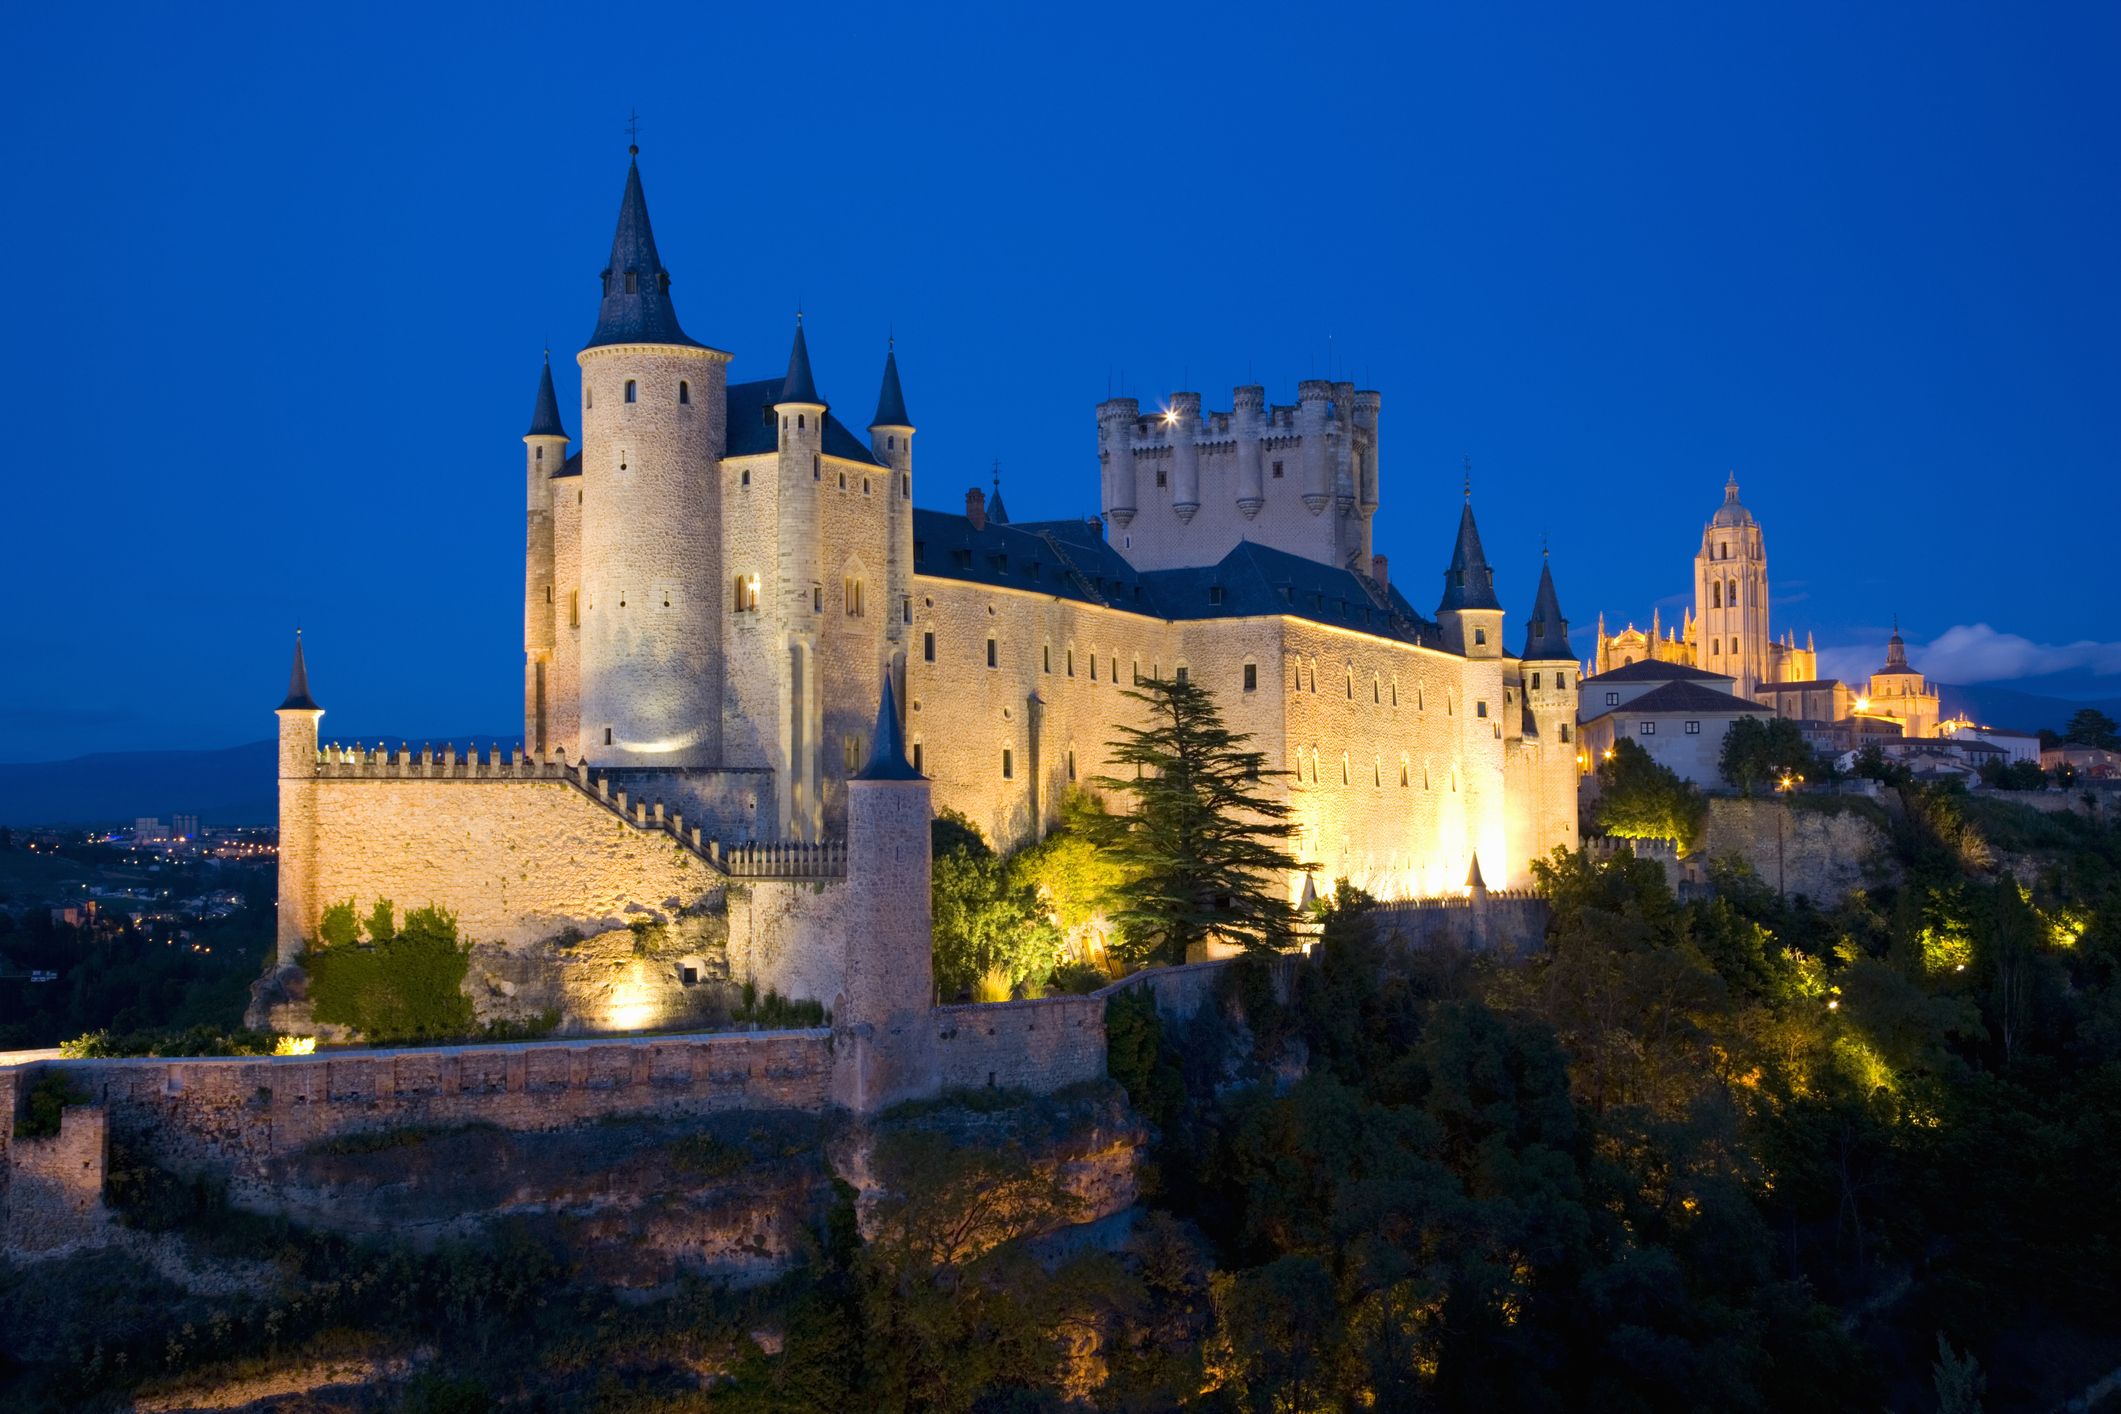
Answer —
1248 415
891 442
544 453
883 1011
1116 420
1185 455
799 412
299 715
653 403
1314 397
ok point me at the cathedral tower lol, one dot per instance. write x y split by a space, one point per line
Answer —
544 453
1731 596
654 411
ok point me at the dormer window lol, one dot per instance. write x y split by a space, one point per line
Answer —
633 283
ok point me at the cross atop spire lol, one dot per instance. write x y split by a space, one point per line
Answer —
633 133
1469 480
995 514
636 307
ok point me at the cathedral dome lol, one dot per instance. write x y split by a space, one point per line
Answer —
1731 512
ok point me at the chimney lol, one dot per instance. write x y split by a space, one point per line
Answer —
976 508
1377 572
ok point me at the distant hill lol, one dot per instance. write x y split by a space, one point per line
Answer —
1996 705
231 786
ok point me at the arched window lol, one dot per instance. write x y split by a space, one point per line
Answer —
1716 595
684 391
1732 597
632 388
799 421
817 467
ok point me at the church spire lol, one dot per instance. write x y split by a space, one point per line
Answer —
636 308
545 417
891 399
799 386
995 514
887 752
298 698
1468 583
1546 634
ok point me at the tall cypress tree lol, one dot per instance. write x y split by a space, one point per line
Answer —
1203 844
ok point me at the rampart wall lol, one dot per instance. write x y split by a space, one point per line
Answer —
1805 850
1041 1045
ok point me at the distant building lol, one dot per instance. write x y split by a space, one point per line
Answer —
1676 713
2093 762
2017 746
184 827
149 830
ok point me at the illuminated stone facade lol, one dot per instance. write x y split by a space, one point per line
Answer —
723 580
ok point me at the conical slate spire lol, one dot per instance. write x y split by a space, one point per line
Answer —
298 698
996 515
1468 583
545 417
636 307
891 399
1473 879
799 386
1546 635
887 755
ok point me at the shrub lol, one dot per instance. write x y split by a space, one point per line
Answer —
46 1101
406 987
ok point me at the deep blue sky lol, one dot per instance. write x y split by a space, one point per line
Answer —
277 282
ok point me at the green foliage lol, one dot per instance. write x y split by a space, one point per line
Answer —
2014 775
192 1041
1072 875
1639 799
1203 849
407 987
1873 764
1760 753
774 1012
52 1094
2092 727
985 919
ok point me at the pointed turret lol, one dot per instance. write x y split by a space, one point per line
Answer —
887 751
545 417
995 514
1468 583
1896 650
1474 882
891 399
799 386
1546 634
636 307
298 698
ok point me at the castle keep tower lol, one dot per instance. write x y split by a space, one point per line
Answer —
653 428
544 454
299 715
1731 596
1183 487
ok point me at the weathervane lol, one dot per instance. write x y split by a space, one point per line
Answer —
633 132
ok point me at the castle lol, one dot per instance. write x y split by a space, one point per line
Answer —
723 581
1725 632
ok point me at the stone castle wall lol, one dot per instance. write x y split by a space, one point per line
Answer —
1041 1045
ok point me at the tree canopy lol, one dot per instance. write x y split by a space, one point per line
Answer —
1761 753
1640 799
1203 844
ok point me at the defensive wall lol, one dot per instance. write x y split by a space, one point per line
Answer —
536 851
235 1118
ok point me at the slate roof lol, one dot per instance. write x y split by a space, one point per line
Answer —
298 698
890 398
1676 697
1808 685
571 467
1468 583
1546 633
887 754
799 386
1647 671
545 416
753 429
645 314
1071 560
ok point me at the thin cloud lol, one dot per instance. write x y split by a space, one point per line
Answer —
1969 653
